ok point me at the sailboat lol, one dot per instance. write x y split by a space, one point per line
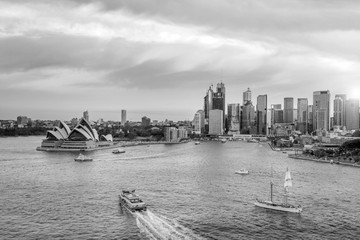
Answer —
285 206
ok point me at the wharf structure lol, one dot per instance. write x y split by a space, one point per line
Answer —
82 138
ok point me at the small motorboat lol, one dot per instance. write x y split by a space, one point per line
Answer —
82 158
131 201
197 143
116 151
242 172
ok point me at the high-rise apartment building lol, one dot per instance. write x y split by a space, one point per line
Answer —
302 115
288 110
321 110
123 117
216 122
145 121
261 110
352 114
339 109
86 115
233 118
22 120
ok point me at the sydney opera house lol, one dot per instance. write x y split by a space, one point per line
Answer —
82 138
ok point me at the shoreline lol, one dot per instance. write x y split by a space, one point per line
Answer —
301 156
307 158
115 145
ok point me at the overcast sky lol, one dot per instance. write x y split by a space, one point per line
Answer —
156 58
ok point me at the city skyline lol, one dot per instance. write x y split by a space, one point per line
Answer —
157 60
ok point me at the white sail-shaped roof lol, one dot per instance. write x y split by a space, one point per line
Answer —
82 132
53 134
96 135
62 131
109 137
87 130
65 127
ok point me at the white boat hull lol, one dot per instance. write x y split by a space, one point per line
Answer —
279 207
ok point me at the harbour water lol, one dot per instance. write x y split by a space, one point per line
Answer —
191 190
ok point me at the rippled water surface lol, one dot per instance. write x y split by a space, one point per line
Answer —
191 190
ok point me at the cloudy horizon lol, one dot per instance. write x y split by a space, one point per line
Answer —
157 58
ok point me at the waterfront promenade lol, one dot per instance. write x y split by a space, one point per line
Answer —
301 156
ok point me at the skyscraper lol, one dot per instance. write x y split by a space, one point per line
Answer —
302 115
219 99
123 117
288 110
208 101
233 118
248 118
86 115
261 109
352 114
214 100
321 110
339 109
216 122
275 108
198 122
310 118
246 96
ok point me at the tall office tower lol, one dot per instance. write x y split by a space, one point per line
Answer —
273 109
288 110
321 110
86 115
352 114
199 121
123 117
214 100
233 118
208 104
278 116
246 96
339 109
219 99
248 116
261 109
208 101
216 122
310 118
302 115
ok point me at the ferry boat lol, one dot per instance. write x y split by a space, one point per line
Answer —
131 201
285 206
82 158
116 151
242 172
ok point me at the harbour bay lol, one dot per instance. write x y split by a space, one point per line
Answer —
191 190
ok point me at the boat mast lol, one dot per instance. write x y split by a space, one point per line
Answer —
271 185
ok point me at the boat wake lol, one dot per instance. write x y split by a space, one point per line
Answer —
142 157
156 227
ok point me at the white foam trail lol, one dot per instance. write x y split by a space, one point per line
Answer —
157 227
